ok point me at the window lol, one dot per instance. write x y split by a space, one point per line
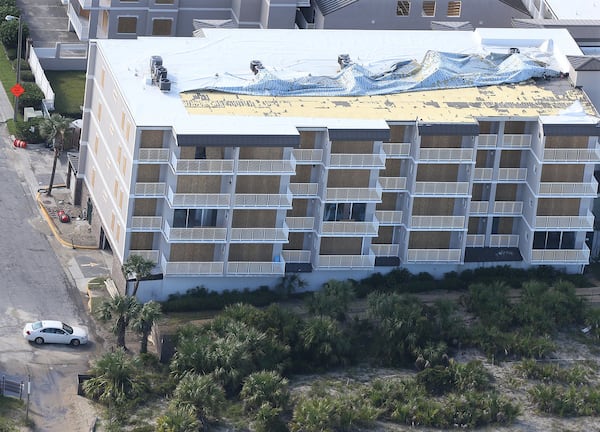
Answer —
193 218
344 211
553 240
127 25
164 1
454 8
428 8
200 153
162 27
403 8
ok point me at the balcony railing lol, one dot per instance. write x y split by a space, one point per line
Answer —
193 268
153 155
560 256
259 235
483 174
569 189
517 141
296 256
255 268
151 255
190 200
389 217
572 155
266 166
357 161
146 223
446 155
263 200
510 175
385 250
304 190
437 222
431 188
396 150
308 156
393 184
349 229
434 255
508 208
81 25
195 235
354 194
154 190
475 240
504 240
487 140
202 166
479 207
347 261
300 224
571 223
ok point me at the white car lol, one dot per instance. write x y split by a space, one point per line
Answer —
42 332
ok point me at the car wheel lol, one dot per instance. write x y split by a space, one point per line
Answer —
39 340
75 342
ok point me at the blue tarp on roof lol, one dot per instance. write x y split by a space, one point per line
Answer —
438 70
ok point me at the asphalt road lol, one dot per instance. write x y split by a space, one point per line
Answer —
34 285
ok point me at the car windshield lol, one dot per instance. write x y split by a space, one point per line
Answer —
67 328
36 325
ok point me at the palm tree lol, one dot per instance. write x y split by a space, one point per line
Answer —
138 268
121 308
142 323
265 387
178 419
54 129
203 392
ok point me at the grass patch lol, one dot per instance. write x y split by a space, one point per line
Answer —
96 283
12 412
69 88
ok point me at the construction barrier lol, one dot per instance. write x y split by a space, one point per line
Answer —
19 143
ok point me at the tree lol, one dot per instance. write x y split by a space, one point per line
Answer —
9 30
139 268
202 392
323 343
333 299
143 321
54 129
122 309
265 387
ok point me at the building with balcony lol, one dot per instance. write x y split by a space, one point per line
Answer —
232 190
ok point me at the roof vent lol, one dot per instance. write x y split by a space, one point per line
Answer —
255 66
344 60
514 50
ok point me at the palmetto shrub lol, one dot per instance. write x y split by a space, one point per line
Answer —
566 401
553 373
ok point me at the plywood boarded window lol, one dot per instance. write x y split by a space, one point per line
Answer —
164 1
403 8
161 27
454 8
127 25
428 8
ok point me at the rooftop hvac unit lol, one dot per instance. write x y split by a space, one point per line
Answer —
155 61
514 50
344 60
165 85
255 66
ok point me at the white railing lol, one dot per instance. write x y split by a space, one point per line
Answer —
572 155
150 189
441 188
569 189
81 26
446 155
266 166
504 240
385 250
350 229
514 208
437 222
479 207
354 194
199 234
368 161
189 200
566 222
307 156
296 256
396 150
308 190
521 141
146 223
389 217
475 240
560 256
247 268
434 255
487 140
202 166
483 174
259 235
193 268
347 261
512 174
393 183
153 155
263 200
151 255
300 223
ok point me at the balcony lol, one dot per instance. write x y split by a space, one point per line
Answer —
349 229
478 207
357 161
259 235
508 208
192 268
560 256
431 188
570 223
434 255
255 268
393 184
504 240
475 240
146 223
516 141
487 141
201 166
80 24
153 155
512 175
195 235
574 190
296 256
266 201
308 156
304 190
437 222
347 261
446 155
191 200
389 217
385 250
571 156
300 224
396 150
340 195
151 255
150 190
483 175
266 167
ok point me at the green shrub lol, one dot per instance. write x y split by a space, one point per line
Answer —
27 76
29 131
199 299
331 300
9 34
499 345
457 377
552 372
566 402
8 3
32 97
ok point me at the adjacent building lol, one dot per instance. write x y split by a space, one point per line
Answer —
231 190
